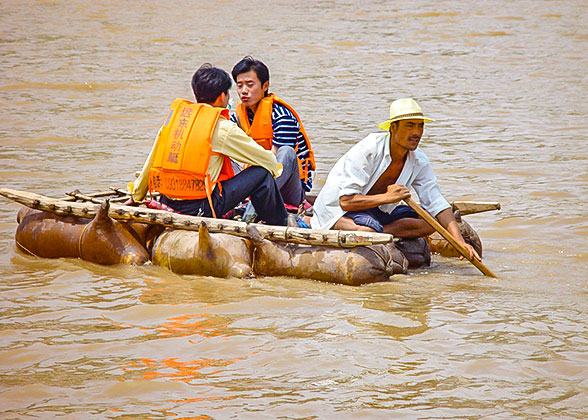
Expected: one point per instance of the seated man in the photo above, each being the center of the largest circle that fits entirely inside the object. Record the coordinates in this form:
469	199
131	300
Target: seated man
364	188
275	125
190	161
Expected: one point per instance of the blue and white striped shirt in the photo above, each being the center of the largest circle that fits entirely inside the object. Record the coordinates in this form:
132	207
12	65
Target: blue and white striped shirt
286	133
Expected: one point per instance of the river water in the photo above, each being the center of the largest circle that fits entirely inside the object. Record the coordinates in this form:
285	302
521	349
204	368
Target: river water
85	85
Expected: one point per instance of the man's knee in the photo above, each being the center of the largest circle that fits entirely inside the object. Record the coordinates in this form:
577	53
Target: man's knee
258	173
346	223
409	228
286	155
365	219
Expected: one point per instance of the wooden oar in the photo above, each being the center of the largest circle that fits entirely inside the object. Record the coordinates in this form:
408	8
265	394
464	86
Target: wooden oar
437	226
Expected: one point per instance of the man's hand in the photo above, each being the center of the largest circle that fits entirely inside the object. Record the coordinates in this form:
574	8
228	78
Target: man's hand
447	220
395	193
471	251
357	202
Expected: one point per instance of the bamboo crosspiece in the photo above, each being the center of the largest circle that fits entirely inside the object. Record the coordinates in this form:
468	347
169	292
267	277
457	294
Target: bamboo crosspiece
335	238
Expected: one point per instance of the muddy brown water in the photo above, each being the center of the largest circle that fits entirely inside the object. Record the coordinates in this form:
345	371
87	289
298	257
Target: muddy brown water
83	88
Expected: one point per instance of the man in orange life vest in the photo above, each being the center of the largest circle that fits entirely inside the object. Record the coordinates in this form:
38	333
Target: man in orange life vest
275	125
190	161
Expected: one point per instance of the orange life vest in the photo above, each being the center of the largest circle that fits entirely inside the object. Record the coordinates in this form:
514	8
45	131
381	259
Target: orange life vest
180	166
261	130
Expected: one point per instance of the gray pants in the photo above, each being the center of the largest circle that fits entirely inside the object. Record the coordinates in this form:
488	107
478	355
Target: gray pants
289	182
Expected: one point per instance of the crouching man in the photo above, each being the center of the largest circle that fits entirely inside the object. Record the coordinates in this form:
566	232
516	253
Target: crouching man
366	185
190	161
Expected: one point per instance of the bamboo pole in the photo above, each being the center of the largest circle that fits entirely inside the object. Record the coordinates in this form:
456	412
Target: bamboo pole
124	193
76	195
335	238
93	199
437	226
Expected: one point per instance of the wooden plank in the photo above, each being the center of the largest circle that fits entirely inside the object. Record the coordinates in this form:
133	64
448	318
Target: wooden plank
472	207
336	238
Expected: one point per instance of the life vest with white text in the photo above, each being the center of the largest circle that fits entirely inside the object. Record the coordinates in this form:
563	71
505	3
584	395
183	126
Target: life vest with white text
180	166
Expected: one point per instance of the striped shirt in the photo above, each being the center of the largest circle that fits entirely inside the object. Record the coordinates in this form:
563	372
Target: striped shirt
286	133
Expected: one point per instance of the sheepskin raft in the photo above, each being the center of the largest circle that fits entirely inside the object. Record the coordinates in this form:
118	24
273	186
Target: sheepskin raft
111	234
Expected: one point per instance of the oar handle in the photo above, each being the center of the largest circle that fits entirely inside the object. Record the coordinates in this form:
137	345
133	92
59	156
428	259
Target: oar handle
437	226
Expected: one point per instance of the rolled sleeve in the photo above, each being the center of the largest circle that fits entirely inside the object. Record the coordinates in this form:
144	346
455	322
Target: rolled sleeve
426	187
141	184
354	175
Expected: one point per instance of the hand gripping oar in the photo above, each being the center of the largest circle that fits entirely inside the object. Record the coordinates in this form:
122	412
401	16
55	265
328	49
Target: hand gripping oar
437	226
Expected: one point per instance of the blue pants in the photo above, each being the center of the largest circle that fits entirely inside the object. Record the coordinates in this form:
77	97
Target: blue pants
255	182
376	219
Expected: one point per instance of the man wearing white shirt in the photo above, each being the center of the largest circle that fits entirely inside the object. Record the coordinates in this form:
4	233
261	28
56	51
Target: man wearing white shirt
364	188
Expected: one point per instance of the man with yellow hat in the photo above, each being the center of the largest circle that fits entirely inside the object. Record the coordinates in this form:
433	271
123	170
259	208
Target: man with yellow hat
364	188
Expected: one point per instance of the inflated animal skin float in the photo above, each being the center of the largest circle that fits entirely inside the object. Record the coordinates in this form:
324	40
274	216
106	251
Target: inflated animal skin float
101	240
106	234
203	253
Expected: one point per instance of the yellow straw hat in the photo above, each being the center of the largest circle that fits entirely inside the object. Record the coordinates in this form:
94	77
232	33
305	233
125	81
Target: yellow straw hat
404	109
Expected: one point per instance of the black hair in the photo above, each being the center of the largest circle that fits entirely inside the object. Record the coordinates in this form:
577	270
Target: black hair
209	82
249	63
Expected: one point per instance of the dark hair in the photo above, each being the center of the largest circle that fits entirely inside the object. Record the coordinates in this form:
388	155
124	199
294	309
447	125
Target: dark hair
209	82
249	63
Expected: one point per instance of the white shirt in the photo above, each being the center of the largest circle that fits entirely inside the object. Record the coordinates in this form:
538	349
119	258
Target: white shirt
357	171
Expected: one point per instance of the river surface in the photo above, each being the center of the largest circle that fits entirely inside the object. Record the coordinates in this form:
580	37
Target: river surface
84	86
